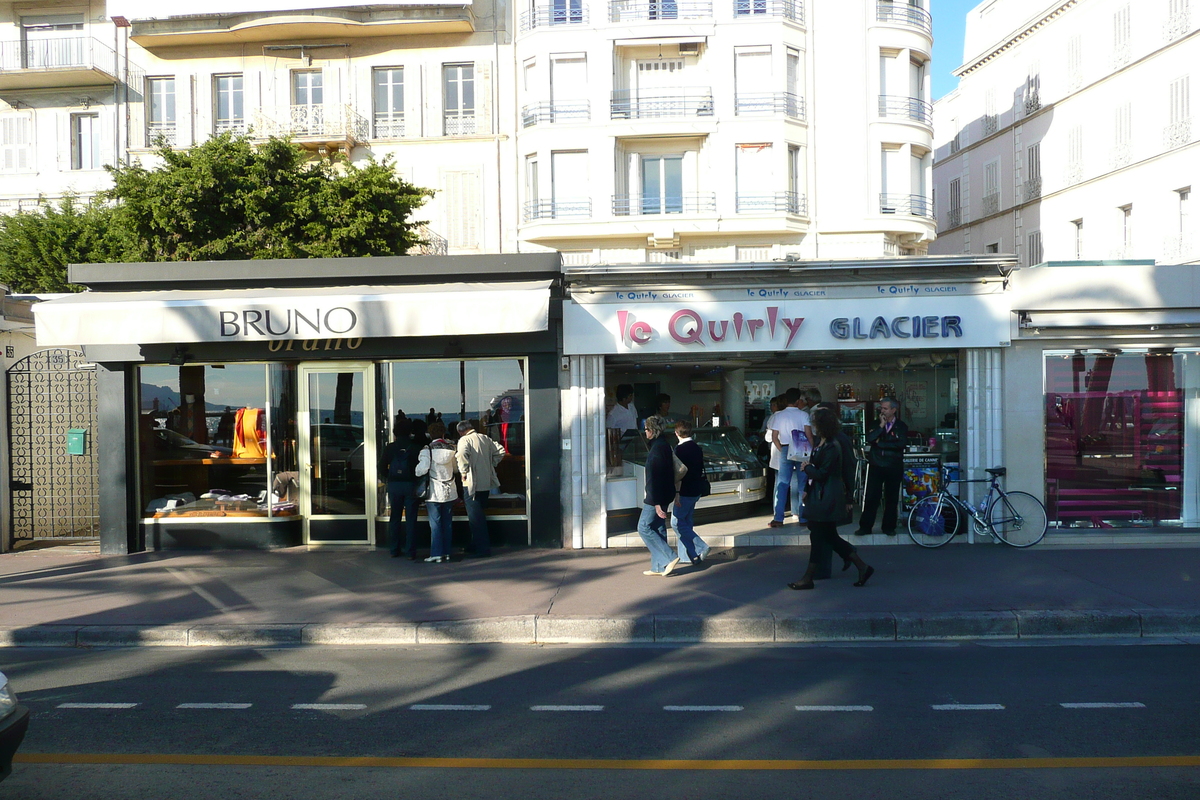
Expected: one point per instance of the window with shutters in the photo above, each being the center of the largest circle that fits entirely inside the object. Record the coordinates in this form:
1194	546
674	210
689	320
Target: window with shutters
991	188
16	142
1034	256
1075	62
1074	155
1033	171
954	215
1121	37
1179	129
389	102
533	190
1179	20
463	193
1122	135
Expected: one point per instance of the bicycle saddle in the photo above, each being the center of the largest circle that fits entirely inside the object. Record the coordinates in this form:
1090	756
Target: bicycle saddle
998	472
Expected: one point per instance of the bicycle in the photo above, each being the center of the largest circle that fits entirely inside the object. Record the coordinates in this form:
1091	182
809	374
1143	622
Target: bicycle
1015	518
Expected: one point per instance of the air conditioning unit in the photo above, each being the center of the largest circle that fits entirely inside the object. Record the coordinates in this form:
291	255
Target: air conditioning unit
689	49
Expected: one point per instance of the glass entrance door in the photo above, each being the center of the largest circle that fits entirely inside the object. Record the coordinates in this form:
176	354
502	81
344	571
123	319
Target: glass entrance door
337	453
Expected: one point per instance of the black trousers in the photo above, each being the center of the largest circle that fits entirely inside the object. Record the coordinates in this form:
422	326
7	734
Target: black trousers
825	541
883	483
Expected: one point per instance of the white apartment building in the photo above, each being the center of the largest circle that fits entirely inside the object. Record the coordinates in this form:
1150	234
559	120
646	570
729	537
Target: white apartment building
1070	135
617	131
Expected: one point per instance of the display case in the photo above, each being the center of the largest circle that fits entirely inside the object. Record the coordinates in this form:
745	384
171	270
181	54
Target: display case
737	475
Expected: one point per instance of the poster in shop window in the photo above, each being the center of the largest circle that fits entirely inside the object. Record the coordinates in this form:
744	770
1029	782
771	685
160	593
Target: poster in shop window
916	399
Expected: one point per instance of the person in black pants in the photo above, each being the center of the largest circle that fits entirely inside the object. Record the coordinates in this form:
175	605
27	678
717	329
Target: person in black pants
398	462
825	502
885	468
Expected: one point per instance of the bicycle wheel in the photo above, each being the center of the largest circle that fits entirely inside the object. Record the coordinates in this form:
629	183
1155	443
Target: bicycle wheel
1017	518
933	521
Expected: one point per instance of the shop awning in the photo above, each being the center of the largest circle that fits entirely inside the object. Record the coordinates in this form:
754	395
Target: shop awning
450	309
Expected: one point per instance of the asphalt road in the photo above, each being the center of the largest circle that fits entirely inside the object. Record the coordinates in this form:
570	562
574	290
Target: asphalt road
1086	720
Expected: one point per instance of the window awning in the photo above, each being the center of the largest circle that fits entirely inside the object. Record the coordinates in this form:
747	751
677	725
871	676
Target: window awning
452	309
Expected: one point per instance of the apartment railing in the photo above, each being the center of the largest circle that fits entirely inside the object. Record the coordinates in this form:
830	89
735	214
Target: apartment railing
333	121
777	203
160	132
991	204
1033	189
632	205
1178	134
954	217
557	209
431	244
912	204
389	126
904	14
569	12
788	9
667	10
1177	24
991	124
230	126
912	108
686	103
460	123
748	104
77	52
563	111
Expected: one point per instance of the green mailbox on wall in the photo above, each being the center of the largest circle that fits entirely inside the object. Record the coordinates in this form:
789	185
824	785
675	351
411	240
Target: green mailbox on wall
76	441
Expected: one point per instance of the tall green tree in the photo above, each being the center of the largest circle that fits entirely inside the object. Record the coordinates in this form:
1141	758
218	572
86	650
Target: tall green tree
225	199
230	199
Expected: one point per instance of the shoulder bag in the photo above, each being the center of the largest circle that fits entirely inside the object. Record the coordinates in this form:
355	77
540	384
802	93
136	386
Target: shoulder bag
422	488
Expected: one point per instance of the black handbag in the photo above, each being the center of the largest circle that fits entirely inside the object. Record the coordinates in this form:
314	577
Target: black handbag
422	487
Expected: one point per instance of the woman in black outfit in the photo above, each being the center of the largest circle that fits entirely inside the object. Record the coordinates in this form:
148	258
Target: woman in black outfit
825	503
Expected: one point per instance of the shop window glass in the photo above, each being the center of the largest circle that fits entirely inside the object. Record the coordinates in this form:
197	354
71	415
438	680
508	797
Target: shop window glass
488	391
203	441
1114	437
281	442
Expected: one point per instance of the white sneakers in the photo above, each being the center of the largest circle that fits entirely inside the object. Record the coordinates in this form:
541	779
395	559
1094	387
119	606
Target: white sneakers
436	559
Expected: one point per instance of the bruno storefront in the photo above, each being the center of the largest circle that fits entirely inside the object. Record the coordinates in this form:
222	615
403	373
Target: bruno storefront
243	404
723	339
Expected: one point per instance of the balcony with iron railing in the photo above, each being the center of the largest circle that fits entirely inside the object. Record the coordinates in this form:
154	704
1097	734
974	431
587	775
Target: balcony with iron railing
682	103
770	103
892	106
232	125
750	9
911	204
632	205
314	127
57	63
658	10
1177	134
388	125
904	14
163	132
431	243
954	218
460	123
1032	189
557	209
560	12
991	203
777	203
560	111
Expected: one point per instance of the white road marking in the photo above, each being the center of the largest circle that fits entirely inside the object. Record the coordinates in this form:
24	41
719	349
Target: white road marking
702	708
566	708
1103	705
835	708
446	707
97	705
328	707
232	706
968	707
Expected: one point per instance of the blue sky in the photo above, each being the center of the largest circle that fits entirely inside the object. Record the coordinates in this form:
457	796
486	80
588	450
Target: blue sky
949	17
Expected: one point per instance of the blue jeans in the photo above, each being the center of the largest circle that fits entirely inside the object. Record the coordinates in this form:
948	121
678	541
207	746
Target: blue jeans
790	476
653	530
402	496
477	517
689	545
440	517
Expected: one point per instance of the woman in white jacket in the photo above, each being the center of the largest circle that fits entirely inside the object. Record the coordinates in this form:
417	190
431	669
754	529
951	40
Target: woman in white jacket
439	462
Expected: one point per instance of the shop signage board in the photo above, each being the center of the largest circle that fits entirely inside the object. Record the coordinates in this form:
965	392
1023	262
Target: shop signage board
884	317
242	315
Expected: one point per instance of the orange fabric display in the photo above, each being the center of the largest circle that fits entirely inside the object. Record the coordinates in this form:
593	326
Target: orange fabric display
249	435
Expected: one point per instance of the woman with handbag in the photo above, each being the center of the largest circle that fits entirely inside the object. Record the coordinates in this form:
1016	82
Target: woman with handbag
660	492
825	503
438	461
693	486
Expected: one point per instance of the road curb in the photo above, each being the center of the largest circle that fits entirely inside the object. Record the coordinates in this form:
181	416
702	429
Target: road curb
663	628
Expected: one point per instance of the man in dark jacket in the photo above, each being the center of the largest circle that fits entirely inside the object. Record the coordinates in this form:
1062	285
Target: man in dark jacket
660	493
398	462
885	468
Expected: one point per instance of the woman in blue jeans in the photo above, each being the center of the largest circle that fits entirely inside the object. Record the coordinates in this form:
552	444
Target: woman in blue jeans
438	460
691	489
660	492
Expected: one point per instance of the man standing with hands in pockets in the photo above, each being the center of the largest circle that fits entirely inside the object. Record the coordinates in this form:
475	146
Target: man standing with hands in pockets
885	468
478	455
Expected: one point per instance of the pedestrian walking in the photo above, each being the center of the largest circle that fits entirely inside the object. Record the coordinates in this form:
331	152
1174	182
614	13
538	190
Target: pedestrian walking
693	486
825	503
478	455
398	463
437	459
660	491
885	468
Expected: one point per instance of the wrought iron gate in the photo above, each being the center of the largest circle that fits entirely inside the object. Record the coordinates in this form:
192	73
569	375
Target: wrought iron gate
54	495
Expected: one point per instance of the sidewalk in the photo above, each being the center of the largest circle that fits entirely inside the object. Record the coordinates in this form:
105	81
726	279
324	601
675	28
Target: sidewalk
562	596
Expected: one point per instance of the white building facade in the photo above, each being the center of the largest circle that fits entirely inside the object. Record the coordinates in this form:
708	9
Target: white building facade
616	131
1071	135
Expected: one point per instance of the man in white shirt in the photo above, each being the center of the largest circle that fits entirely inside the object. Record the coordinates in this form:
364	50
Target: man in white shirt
791	418
623	416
